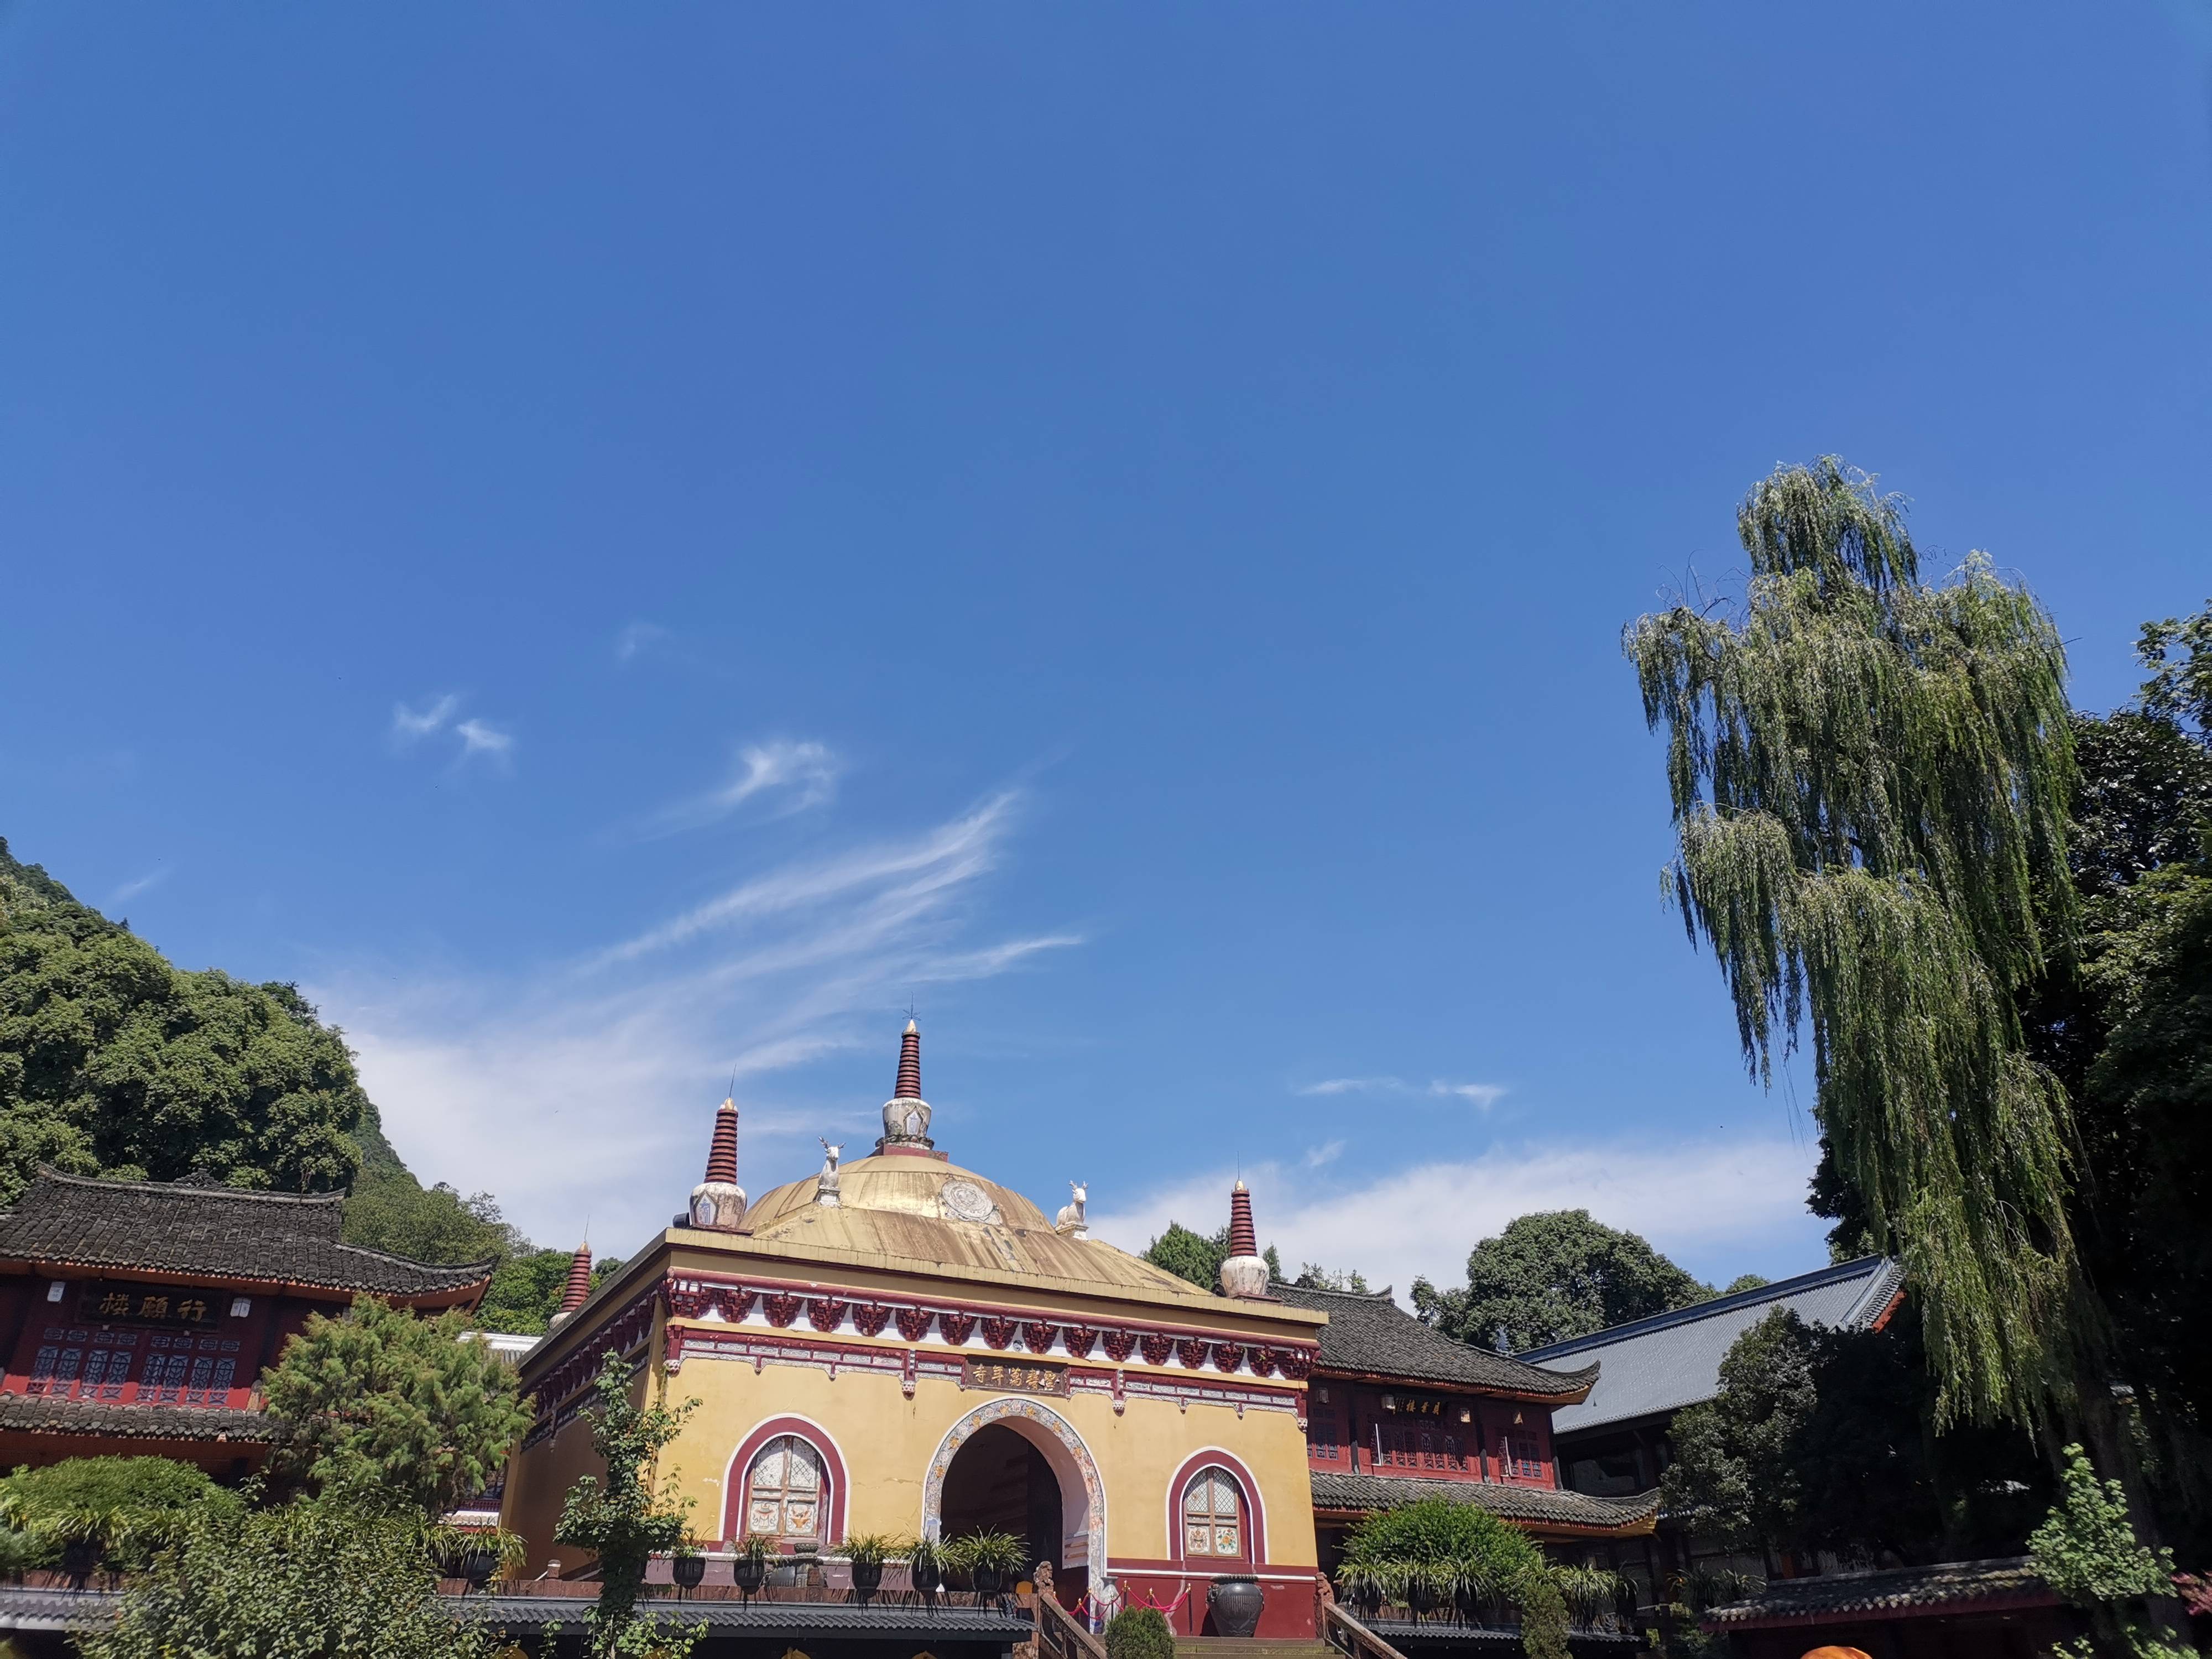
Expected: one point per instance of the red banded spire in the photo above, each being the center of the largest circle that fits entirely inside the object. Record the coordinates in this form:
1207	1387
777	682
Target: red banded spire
909	1073
1243	1240
579	1279
722	1157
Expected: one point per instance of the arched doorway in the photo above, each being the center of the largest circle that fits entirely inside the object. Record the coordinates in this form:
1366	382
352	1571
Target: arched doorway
998	1482
1026	1459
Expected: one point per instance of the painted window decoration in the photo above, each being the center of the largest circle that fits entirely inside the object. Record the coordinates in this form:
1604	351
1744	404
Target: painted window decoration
786	1489
1213	1515
1518	1456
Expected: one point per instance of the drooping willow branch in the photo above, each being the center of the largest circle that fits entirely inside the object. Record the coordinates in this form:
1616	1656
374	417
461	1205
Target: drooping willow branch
1870	779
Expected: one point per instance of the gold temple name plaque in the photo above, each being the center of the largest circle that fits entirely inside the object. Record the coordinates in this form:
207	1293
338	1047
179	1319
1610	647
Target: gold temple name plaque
1013	1377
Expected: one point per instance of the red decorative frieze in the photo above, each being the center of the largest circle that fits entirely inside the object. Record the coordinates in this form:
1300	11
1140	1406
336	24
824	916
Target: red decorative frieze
1156	1346
781	1308
1078	1338
1191	1350
825	1313
956	1327
1296	1363
1038	1334
1119	1345
869	1318
735	1302
1228	1355
1263	1360
914	1324
998	1331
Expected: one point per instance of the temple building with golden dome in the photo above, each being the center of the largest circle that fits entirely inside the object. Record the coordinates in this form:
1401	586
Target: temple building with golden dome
900	1346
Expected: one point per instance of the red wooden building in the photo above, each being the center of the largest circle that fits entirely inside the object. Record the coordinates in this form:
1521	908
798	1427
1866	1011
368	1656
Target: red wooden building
1398	1410
137	1317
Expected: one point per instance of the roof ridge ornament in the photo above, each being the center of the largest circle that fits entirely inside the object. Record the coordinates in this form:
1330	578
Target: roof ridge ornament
718	1203
906	1113
1245	1273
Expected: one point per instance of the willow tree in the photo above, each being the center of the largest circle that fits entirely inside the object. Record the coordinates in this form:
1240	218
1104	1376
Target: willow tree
1870	777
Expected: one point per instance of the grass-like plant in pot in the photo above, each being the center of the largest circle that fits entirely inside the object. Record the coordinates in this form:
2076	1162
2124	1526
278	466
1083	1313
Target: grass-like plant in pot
991	1561
925	1565
867	1551
750	1570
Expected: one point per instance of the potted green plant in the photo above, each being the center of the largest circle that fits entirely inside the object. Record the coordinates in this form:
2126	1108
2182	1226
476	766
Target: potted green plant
993	1560
750	1570
867	1551
688	1566
925	1565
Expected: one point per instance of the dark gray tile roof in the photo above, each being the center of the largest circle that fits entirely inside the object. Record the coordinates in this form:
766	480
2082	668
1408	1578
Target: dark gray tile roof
1373	1335
31	1609
1674	1359
904	1620
1894	1591
23	1608
35	1414
206	1230
1537	1505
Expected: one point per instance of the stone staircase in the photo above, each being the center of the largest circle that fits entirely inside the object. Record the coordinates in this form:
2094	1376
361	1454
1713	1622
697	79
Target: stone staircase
1253	1647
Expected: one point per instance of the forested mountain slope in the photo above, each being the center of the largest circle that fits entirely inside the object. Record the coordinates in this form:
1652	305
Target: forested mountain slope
115	1062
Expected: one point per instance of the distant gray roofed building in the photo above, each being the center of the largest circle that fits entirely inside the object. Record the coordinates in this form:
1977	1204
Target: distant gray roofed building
1674	1359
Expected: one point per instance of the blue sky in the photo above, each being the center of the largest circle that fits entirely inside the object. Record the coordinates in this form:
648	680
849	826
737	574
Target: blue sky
619	546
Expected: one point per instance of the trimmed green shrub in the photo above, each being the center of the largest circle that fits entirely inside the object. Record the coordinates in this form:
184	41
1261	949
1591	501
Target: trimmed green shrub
131	1506
1139	1633
1543	1618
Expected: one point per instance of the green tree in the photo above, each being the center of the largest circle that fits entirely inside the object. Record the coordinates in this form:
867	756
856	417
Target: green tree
624	1520
1870	779
2089	1554
306	1581
384	1407
131	1506
1312	1276
1822	1440
1552	1276
113	1062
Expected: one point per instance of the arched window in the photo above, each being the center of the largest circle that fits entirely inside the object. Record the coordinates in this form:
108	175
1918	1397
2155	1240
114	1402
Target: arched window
1213	1515
787	1489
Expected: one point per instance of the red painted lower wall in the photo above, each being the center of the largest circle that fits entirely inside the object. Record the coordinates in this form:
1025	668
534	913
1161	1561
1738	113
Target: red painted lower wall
1286	1611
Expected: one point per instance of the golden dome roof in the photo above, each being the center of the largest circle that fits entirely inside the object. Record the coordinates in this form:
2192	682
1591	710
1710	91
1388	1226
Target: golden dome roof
930	1186
914	1211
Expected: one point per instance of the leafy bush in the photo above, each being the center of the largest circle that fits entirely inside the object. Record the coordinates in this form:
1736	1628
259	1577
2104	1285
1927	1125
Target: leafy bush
1139	1633
1442	1548
312	1577
389	1407
131	1506
2088	1552
872	1549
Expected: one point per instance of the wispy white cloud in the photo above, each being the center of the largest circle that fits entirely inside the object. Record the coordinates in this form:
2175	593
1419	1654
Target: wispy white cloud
1317	1155
797	776
411	725
1718	1206
479	737
1481	1096
591	1085
637	637
145	884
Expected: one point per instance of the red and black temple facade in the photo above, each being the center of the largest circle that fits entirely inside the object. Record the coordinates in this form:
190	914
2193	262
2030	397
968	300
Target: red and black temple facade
137	1317
1397	1411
